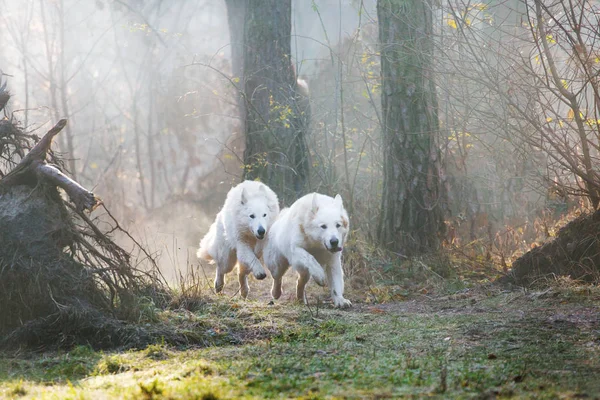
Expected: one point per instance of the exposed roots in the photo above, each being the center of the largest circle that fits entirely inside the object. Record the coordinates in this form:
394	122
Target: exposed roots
63	279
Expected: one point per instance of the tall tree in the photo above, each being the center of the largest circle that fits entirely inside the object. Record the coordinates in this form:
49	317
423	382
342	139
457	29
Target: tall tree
236	14
276	151
411	217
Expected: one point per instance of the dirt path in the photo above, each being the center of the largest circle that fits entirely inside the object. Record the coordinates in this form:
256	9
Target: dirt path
480	343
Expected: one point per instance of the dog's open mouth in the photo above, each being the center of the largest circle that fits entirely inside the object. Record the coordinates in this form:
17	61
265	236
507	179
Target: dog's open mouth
333	249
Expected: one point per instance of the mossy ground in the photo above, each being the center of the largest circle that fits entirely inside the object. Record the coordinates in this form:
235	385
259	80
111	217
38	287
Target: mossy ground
476	343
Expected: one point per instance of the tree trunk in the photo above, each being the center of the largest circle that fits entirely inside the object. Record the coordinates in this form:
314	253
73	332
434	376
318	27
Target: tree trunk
276	151
236	14
411	220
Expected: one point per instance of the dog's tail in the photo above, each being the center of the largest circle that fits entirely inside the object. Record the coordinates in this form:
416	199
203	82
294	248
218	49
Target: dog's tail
207	243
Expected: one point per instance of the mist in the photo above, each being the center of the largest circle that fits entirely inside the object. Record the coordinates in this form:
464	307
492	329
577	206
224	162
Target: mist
439	165
155	128
152	117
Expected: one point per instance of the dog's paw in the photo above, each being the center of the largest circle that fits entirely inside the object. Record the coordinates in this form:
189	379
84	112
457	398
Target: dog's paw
340	302
320	278
244	289
260	275
219	285
276	291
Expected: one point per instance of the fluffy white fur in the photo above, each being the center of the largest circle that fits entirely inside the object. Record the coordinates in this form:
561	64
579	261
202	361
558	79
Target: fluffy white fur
309	236
243	222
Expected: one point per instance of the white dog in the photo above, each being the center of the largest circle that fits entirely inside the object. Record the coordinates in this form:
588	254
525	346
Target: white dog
243	222
309	236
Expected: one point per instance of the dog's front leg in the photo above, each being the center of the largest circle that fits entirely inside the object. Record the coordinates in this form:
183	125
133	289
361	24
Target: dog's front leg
303	258
248	259
335	275
303	277
243	279
226	261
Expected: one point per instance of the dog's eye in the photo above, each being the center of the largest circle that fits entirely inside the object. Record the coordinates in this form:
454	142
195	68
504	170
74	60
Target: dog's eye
264	215
324	226
337	225
252	216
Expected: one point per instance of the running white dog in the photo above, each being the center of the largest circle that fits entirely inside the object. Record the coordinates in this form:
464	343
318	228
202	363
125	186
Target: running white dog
243	222
309	236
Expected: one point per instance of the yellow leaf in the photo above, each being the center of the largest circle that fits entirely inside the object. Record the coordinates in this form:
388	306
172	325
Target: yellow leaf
480	6
560	123
550	38
565	84
571	115
537	59
93	165
236	79
364	58
468	21
597	60
452	23
549	119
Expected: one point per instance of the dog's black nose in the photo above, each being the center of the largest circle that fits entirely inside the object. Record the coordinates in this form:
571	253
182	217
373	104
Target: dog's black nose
334	242
261	231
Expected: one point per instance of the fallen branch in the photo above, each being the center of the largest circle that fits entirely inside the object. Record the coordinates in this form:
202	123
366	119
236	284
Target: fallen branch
33	168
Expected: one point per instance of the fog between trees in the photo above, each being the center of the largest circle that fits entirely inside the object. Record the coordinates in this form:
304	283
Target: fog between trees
156	130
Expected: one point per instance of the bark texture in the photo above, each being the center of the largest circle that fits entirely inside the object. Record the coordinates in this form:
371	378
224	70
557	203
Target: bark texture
33	168
411	220
276	151
236	14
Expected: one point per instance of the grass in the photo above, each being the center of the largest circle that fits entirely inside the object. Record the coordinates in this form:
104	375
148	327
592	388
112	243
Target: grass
481	343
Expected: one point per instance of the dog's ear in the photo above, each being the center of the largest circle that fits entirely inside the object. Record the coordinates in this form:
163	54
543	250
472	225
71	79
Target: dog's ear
338	200
315	206
244	196
345	222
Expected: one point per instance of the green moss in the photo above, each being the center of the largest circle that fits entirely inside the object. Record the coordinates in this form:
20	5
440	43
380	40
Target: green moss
495	344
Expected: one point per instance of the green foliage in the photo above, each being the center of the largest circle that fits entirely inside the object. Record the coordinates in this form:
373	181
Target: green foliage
157	352
152	390
111	364
18	389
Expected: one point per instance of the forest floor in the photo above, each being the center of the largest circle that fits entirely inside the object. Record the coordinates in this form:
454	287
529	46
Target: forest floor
483	342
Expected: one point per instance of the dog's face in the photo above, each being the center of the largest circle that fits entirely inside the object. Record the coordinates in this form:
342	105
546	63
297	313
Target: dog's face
256	212
328	224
